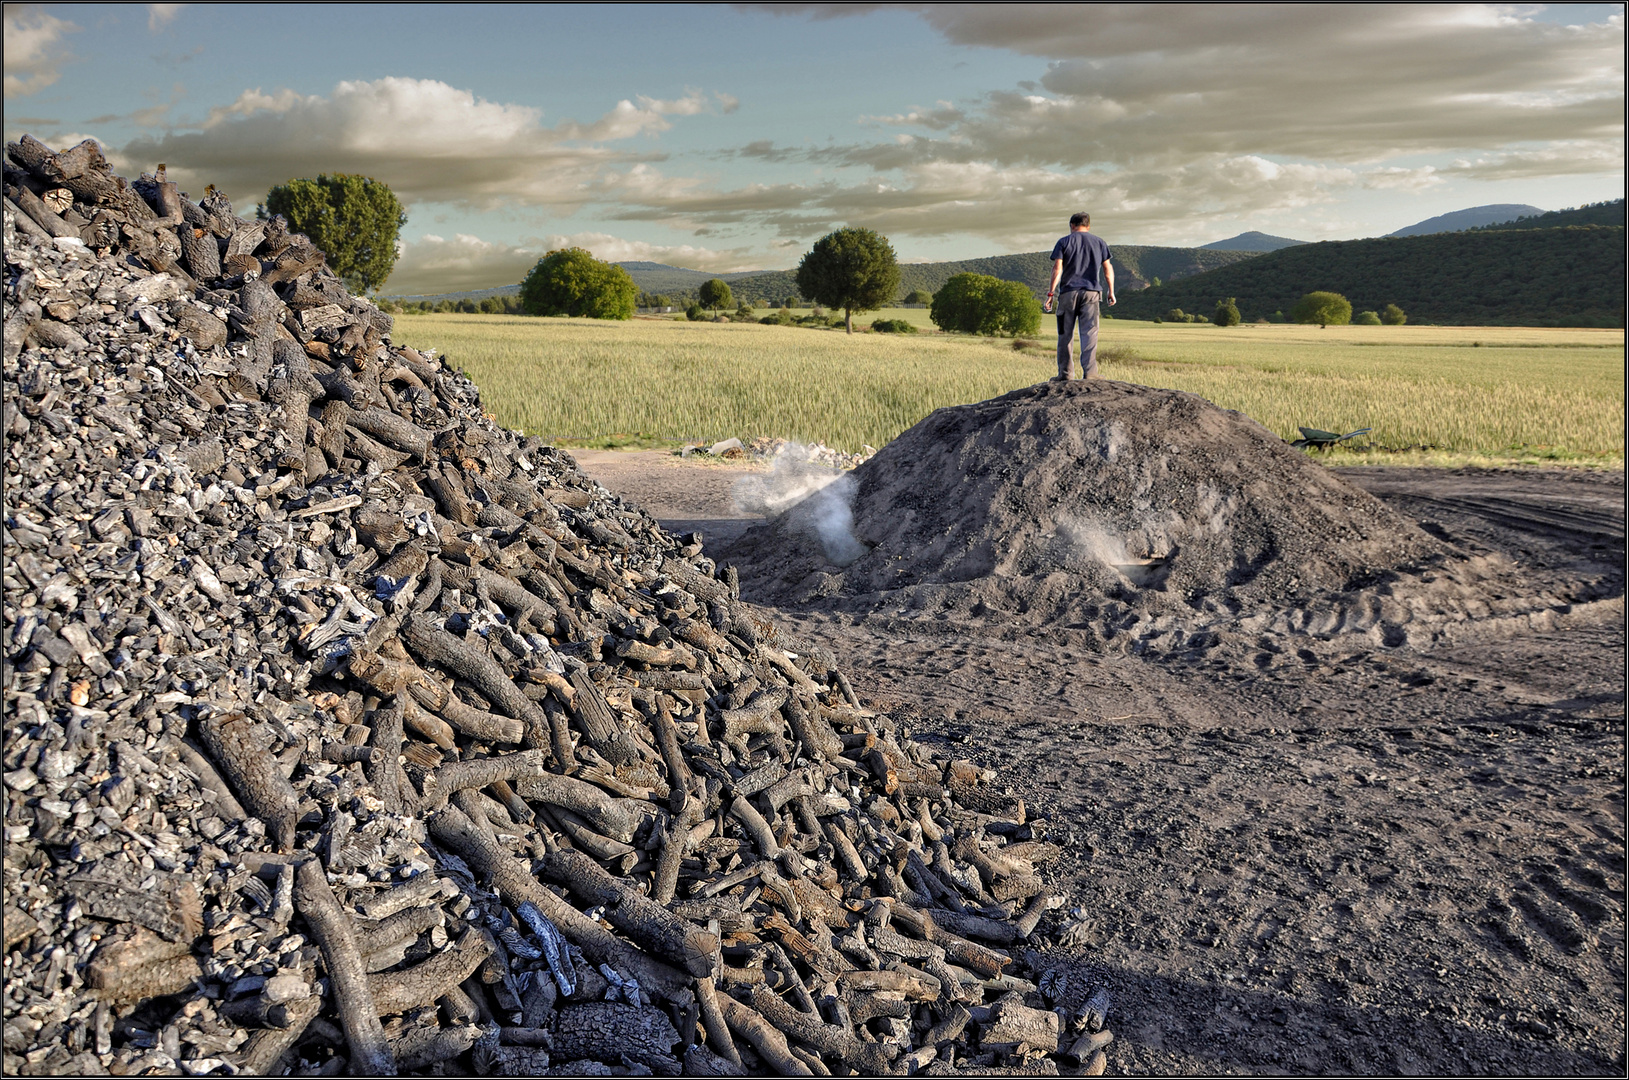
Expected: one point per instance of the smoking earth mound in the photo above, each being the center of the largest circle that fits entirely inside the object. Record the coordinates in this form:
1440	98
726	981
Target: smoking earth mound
1103	505
348	731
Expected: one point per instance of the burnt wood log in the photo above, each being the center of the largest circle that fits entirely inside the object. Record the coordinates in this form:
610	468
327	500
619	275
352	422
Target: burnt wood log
437	646
870	1059
476	723
333	431
503	589
420	985
771	1045
481	772
253	774
514	881
613	1031
649	924
126	970
601	727
332	929
42	215
390	429
341	385
261	1051
713	1022
170	906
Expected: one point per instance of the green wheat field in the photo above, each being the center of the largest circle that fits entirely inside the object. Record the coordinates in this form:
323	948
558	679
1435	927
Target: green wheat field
1432	395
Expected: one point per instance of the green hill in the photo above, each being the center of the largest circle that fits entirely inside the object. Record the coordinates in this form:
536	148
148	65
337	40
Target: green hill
1601	213
1135	266
1571	276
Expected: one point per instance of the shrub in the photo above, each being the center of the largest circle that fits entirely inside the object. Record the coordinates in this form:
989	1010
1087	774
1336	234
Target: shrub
1366	318
980	304
1392	315
893	326
919	296
1176	314
570	281
783	317
1323	308
1227	313
695	313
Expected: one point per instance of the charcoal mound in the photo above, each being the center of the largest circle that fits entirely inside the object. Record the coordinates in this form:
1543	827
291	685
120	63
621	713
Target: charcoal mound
1050	502
349	732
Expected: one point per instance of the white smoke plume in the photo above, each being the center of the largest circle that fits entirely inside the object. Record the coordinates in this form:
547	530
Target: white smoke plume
817	500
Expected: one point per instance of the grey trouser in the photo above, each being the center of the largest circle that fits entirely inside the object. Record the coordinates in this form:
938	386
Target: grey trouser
1078	306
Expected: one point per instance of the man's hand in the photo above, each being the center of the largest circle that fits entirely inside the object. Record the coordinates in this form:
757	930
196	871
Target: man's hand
1046	305
1111	299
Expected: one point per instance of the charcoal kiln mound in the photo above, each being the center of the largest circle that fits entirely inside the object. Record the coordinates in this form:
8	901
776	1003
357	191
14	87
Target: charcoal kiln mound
1102	505
347	731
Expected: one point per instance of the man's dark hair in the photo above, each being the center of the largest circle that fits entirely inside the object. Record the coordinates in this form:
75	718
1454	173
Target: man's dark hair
1077	220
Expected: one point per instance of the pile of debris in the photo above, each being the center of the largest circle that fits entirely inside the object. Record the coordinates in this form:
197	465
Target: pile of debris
348	731
771	449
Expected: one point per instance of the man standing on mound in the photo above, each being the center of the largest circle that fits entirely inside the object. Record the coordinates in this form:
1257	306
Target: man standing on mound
1081	262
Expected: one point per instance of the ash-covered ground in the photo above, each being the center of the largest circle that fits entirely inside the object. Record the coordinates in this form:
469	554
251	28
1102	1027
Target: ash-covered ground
1316	838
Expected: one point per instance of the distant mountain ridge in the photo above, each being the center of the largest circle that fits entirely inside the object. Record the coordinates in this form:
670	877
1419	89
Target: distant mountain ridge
1252	241
1601	213
1460	220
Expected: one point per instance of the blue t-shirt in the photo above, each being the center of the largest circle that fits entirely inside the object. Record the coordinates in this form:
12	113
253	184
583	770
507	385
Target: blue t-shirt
1083	257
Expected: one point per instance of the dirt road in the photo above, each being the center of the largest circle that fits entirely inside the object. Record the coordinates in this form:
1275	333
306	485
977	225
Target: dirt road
1342	859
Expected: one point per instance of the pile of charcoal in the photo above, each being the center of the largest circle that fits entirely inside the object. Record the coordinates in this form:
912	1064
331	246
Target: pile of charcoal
346	731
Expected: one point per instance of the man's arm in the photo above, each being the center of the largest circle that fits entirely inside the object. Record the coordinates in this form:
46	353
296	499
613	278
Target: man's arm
1108	271
1052	289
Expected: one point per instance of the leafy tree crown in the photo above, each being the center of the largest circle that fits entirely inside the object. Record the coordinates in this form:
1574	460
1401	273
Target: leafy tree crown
1323	308
570	281
1392	315
1227	313
853	269
715	294
353	220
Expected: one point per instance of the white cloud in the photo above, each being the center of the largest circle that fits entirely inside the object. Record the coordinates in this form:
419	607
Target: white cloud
435	264
161	15
429	141
34	50
1340	82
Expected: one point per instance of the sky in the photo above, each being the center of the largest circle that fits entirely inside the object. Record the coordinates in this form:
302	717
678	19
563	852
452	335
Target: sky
731	137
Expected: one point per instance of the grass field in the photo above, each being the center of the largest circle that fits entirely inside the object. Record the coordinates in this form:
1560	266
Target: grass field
1445	395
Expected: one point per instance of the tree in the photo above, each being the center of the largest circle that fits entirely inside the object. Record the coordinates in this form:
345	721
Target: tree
490	305
715	294
353	220
1227	313
980	304
1323	308
1366	318
1392	315
853	269
570	281
919	296
1156	283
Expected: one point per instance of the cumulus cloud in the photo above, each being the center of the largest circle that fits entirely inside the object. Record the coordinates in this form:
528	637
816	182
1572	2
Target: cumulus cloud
34	49
429	141
161	15
436	264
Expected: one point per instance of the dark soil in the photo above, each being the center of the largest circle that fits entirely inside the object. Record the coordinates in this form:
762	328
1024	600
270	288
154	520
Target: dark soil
1301	847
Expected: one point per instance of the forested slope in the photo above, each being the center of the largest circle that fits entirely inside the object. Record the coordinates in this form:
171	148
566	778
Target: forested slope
1570	276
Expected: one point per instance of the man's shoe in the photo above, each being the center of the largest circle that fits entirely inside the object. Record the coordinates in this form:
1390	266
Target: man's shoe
1059	378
